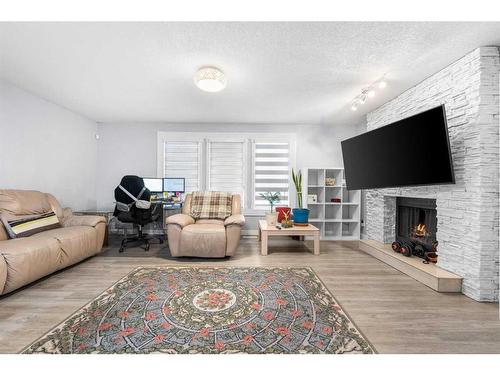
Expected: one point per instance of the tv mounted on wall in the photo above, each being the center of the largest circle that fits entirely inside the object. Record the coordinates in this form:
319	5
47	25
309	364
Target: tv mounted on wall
412	151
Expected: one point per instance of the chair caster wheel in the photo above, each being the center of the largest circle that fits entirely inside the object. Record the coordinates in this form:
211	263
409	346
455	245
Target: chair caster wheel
120	250
147	247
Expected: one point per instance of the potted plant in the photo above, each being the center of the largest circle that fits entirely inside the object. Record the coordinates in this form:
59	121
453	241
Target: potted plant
300	214
272	198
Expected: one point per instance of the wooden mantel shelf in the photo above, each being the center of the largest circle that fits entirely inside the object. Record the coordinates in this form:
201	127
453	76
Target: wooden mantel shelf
428	274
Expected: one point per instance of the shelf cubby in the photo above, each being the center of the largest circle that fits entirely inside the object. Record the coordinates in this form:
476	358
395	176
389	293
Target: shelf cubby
333	192
316	212
318	191
333	212
350	212
350	230
332	230
316	177
351	196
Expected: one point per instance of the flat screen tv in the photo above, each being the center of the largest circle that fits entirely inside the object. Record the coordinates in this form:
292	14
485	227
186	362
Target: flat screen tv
412	151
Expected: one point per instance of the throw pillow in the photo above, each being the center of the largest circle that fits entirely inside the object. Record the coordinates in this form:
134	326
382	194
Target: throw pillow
211	205
27	226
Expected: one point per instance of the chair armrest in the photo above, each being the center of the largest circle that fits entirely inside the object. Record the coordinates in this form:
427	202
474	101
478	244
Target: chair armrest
181	220
83	220
235	220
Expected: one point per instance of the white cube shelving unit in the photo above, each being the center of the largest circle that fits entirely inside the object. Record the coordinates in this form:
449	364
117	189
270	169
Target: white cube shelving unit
335	220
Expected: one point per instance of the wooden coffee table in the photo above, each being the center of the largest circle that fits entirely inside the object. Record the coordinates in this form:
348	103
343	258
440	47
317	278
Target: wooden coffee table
266	231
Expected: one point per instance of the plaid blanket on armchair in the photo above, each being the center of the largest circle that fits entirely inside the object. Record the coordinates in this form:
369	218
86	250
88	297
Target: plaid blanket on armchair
211	205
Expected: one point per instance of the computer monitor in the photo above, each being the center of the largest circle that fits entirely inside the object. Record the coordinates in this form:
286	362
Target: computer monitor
155	185
173	184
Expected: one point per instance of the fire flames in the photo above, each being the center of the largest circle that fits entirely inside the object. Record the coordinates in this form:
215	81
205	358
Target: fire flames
420	230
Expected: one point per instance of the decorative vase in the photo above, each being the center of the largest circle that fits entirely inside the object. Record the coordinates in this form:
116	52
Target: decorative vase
300	216
271	218
282	211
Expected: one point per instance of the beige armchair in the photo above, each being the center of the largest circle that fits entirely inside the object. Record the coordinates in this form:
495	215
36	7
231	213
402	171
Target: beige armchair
206	238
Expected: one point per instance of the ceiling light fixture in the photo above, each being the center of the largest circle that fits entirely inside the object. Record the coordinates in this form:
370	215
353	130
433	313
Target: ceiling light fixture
382	84
368	92
210	79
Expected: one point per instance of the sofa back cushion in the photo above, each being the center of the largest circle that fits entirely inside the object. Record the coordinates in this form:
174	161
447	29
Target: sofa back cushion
211	205
25	226
24	202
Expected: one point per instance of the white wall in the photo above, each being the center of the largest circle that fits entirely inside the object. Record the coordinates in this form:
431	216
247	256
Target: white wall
46	147
130	148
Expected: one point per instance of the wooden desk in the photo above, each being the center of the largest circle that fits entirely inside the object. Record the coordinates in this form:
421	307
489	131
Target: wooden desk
266	231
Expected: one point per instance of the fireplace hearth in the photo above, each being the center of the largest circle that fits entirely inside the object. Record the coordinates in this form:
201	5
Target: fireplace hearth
416	227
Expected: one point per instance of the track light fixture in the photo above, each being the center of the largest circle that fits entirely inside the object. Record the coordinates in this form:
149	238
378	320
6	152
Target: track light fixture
368	92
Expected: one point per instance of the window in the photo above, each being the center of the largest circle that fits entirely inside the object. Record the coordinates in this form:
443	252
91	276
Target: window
271	173
226	167
244	163
183	159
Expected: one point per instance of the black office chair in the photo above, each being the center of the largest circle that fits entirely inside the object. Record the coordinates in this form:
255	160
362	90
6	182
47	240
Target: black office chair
128	196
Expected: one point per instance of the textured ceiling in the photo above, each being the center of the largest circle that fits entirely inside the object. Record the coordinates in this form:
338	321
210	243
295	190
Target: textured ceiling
277	72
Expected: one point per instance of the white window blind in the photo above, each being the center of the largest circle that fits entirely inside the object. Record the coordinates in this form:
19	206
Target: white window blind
183	159
271	172
226	167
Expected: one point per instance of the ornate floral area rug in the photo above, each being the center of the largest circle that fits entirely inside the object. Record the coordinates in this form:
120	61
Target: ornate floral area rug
209	310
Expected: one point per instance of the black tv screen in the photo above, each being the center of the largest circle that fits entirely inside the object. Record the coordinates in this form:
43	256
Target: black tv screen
413	151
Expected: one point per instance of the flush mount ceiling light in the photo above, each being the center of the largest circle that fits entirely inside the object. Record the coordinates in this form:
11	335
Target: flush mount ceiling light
210	79
368	92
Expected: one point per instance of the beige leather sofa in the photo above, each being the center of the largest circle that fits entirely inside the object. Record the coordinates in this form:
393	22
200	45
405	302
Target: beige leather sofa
23	260
207	238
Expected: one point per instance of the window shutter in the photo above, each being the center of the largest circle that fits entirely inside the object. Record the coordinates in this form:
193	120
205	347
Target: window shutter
271	169
226	167
183	159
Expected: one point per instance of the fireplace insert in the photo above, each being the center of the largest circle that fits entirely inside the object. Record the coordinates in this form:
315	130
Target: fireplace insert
416	227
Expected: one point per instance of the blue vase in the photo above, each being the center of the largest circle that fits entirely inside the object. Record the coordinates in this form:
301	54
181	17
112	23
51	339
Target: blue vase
300	215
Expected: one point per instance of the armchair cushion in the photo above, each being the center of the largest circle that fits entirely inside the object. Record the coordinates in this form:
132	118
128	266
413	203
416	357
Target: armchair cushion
180	219
238	219
84	220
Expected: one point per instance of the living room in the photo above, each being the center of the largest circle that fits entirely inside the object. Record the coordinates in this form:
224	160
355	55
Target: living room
240	187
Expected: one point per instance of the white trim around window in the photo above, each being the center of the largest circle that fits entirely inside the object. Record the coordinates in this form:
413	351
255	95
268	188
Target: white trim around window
248	141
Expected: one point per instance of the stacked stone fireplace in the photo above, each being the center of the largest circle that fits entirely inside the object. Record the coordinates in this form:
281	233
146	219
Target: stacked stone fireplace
467	212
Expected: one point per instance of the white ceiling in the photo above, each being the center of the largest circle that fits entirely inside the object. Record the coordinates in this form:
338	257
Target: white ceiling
277	72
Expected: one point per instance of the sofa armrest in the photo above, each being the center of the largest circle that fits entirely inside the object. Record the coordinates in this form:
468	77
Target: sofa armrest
181	220
83	220
235	220
67	212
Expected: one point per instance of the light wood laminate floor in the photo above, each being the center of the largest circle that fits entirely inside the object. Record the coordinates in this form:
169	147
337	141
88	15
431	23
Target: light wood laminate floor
396	313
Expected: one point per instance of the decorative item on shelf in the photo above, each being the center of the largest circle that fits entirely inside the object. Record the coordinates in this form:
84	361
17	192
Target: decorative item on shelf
312	198
286	222
272	198
281	213
335	200
330	181
300	214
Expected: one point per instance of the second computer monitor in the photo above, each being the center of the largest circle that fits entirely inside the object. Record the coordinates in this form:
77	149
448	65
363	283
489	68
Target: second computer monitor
174	184
155	185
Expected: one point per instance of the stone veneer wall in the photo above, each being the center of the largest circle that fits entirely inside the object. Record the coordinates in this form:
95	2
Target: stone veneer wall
467	211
